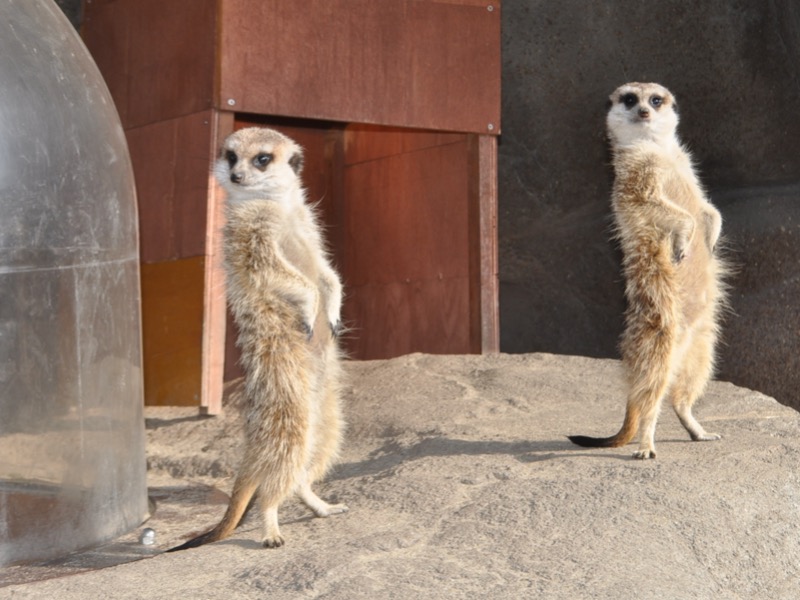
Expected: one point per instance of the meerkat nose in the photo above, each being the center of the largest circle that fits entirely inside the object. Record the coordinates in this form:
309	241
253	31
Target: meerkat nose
644	113
236	177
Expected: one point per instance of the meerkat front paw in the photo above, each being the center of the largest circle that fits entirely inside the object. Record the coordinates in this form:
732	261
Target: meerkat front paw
331	293
309	309
334	318
307	329
680	242
336	328
678	254
706	437
713	223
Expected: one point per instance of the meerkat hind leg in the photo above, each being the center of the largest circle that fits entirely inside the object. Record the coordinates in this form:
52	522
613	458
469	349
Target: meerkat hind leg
272	533
696	431
647	446
317	504
649	401
690	383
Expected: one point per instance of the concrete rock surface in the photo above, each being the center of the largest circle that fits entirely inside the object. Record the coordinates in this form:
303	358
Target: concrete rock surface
461	484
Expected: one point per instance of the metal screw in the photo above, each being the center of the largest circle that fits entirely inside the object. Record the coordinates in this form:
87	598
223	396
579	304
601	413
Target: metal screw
490	8
491	126
231	102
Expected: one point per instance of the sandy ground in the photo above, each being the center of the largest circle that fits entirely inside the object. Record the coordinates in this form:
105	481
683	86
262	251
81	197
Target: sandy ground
461	484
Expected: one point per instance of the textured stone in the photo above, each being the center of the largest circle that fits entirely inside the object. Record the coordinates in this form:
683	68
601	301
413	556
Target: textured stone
461	484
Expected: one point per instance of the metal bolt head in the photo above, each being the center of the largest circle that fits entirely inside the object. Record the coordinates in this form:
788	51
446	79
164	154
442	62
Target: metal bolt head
148	536
231	102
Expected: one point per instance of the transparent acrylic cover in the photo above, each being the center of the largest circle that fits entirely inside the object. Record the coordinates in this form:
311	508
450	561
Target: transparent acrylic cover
72	464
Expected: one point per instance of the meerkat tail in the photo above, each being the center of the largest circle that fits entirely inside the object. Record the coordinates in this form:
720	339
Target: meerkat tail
630	426
243	492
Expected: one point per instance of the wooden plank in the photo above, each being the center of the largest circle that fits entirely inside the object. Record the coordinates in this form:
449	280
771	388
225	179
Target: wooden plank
172	321
158	58
171	162
409	63
214	304
484	283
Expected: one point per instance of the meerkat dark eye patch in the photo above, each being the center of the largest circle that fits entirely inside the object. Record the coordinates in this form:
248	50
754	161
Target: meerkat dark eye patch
262	159
231	157
629	100
656	101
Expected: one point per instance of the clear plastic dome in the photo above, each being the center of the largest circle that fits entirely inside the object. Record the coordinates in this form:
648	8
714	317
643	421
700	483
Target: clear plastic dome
72	462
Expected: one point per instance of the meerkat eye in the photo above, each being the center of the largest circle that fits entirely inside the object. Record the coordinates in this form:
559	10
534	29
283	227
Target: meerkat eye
629	100
262	159
231	157
656	101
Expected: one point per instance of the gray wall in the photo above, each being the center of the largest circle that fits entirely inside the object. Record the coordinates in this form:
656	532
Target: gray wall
735	69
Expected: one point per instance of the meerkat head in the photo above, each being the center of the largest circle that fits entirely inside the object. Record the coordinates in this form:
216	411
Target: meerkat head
256	162
641	111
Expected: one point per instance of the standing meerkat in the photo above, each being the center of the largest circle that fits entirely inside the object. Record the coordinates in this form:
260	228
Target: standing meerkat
668	232
286	299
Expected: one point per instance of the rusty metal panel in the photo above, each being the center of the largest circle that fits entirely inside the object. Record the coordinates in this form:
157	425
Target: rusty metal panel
157	56
406	252
410	63
171	161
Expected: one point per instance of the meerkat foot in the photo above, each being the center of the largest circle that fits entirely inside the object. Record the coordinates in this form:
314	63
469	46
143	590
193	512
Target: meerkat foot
331	509
644	454
696	431
273	542
272	533
317	505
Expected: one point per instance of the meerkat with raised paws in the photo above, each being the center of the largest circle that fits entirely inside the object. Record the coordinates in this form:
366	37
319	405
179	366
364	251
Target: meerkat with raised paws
286	299
668	232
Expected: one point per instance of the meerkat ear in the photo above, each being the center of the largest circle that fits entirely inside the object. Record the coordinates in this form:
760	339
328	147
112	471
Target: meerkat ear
296	162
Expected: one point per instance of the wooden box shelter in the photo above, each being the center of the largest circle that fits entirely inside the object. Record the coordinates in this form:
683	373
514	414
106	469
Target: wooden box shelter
397	103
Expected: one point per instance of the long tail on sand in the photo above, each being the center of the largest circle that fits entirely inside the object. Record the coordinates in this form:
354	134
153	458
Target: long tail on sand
241	502
196	542
629	428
